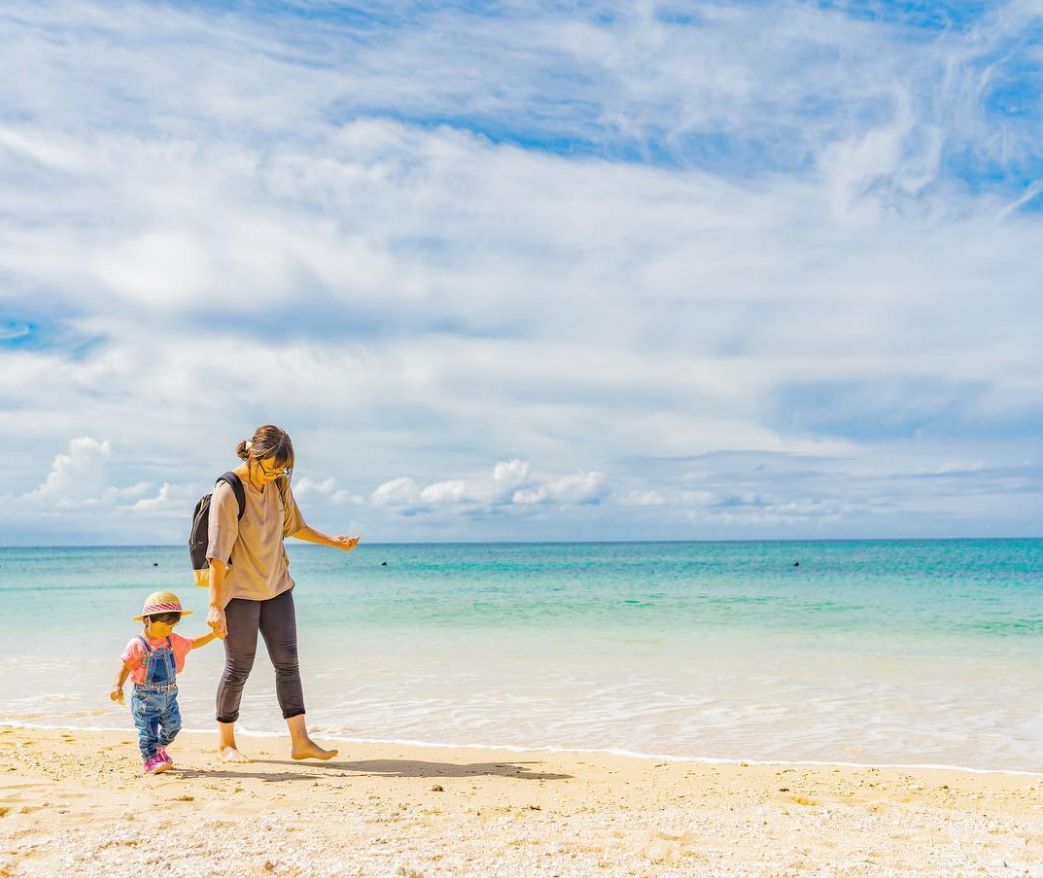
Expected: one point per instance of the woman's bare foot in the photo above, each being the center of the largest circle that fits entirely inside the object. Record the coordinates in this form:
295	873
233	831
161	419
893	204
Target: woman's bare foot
226	744
308	749
302	746
231	754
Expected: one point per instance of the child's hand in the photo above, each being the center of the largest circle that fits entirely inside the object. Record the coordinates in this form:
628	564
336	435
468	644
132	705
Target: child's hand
116	694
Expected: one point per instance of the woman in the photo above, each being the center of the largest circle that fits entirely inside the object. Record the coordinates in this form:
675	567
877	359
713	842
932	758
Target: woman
251	589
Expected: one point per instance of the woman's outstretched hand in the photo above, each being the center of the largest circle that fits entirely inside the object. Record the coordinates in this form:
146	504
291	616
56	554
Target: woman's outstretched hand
345	544
216	620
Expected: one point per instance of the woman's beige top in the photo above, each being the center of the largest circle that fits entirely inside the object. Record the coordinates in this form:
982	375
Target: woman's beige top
259	567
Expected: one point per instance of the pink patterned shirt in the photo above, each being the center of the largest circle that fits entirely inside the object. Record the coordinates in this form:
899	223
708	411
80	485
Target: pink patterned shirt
135	652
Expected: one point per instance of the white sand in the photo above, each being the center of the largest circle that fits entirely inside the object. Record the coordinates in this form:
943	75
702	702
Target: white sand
75	803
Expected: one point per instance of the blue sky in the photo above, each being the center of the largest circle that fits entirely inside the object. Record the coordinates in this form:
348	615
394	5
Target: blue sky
525	270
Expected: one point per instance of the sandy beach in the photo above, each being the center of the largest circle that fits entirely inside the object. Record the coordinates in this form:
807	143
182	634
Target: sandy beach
75	803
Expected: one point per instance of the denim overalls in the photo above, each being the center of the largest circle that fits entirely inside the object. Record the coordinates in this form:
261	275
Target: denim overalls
154	702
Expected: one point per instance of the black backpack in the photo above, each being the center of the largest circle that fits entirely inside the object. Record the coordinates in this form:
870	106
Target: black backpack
199	539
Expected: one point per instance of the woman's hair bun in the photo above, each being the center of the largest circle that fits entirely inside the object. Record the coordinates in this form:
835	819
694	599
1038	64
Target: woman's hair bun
269	443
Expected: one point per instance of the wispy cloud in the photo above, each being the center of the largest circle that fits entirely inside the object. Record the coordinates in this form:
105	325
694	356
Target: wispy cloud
11	330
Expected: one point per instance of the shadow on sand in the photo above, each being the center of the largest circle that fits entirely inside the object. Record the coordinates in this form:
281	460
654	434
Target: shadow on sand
376	768
417	768
266	776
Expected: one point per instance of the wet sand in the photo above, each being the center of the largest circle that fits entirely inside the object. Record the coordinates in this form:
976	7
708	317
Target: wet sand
75	803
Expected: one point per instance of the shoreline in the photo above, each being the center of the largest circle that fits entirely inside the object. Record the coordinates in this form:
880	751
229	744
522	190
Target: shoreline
74	801
515	748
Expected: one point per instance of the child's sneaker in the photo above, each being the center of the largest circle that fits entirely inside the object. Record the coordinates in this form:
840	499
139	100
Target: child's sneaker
156	764
161	752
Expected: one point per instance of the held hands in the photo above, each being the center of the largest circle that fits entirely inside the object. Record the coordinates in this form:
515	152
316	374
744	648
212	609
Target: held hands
116	694
216	620
345	544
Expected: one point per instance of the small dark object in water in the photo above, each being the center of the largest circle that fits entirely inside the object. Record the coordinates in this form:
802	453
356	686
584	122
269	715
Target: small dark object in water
155	563
796	563
383	563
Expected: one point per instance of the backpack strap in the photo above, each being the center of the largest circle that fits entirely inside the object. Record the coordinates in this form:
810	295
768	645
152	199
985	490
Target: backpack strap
236	484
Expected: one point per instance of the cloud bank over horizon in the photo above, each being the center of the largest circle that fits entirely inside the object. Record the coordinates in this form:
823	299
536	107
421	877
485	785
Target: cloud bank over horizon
519	271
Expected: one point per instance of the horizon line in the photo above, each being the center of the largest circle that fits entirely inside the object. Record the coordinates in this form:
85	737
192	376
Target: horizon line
304	545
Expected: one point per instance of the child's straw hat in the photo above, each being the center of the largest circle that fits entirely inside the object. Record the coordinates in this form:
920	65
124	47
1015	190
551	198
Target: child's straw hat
161	602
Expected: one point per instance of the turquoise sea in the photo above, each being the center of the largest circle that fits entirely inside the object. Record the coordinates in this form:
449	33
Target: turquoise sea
881	652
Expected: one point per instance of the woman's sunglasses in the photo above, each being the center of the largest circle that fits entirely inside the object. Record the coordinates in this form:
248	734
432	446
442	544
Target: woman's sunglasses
274	471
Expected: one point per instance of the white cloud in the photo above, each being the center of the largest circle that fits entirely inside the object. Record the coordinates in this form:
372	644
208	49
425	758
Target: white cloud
511	483
528	496
951	467
164	269
326	489
643	498
77	478
444	492
79	486
511	473
583	487
478	491
304	486
161	499
397	492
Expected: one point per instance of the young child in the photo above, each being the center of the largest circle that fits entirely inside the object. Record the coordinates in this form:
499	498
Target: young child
153	661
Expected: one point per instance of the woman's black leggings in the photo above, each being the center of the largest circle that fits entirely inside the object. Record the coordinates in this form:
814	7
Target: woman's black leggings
277	622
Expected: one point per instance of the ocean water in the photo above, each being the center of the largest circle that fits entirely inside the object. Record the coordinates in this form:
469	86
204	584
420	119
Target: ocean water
877	652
